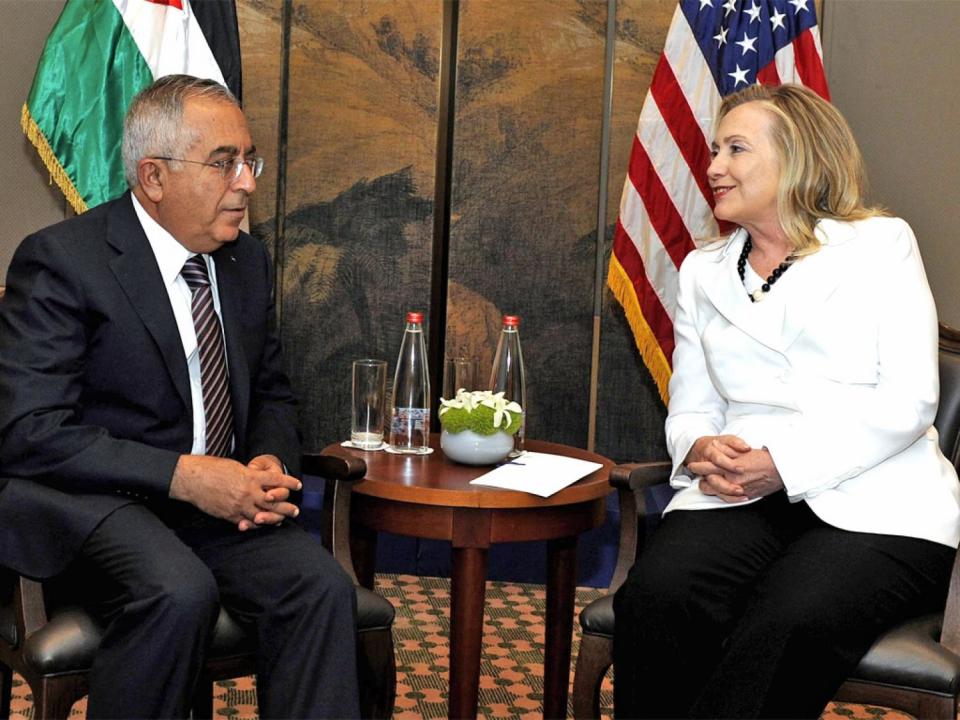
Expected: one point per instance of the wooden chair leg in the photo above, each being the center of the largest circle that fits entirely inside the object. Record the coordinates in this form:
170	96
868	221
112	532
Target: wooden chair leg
377	673
593	660
201	708
937	708
6	691
55	696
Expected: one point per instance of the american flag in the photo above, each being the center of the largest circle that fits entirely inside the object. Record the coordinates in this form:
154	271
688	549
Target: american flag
713	48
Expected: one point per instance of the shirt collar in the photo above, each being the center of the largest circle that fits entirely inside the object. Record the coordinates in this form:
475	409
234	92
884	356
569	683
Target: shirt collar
170	254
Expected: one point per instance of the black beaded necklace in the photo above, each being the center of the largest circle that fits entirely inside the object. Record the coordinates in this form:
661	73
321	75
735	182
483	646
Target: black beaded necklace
757	295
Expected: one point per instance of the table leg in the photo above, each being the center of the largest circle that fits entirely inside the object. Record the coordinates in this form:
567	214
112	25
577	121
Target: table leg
467	598
561	595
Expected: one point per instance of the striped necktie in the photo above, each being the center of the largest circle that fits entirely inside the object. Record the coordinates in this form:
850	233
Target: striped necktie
213	363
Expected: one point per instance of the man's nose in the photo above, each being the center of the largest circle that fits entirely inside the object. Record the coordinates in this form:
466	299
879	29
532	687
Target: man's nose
245	180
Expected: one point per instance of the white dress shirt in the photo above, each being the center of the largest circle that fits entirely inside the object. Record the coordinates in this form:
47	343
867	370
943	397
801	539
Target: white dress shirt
171	256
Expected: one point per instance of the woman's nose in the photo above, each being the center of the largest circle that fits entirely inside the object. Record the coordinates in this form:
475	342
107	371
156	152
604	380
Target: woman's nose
715	168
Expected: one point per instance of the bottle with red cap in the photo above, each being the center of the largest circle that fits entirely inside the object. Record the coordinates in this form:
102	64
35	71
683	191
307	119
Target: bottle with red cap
508	375
410	405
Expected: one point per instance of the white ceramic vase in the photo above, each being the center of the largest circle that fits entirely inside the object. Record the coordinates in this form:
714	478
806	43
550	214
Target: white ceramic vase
469	448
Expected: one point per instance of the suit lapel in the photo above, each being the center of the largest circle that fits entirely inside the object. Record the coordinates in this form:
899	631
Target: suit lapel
800	295
817	278
135	269
230	288
725	290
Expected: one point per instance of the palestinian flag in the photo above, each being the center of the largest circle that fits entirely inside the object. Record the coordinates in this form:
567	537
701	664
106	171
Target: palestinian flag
99	55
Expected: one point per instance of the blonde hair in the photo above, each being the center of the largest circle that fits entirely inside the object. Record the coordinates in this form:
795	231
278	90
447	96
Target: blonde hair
822	170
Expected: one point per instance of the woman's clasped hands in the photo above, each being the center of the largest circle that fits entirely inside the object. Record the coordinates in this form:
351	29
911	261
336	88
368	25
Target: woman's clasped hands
732	470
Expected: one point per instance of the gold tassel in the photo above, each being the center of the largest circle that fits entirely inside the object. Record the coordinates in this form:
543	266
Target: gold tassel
57	173
622	288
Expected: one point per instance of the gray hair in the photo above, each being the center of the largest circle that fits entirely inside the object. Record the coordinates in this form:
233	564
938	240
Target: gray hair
154	123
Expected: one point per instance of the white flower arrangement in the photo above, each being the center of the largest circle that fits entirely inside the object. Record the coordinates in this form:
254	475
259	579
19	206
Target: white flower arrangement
482	411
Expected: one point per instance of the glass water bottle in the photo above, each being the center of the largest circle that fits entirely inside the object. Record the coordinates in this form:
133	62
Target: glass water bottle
508	375
410	404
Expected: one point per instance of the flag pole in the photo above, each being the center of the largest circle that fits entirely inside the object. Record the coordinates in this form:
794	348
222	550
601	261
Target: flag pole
600	266
441	203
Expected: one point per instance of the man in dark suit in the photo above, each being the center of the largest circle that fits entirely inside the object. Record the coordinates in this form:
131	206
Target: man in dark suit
151	453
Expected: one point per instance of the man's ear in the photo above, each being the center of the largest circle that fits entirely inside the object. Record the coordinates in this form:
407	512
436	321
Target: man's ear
151	175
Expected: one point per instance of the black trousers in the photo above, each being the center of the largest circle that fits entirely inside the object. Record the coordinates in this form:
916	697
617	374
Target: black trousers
159	590
760	611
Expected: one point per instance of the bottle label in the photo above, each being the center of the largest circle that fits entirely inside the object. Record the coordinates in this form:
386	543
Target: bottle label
408	420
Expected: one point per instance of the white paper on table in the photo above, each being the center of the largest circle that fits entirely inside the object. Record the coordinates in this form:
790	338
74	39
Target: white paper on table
542	474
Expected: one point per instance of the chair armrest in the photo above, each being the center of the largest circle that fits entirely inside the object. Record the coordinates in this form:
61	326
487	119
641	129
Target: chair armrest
333	466
636	476
631	480
340	471
29	609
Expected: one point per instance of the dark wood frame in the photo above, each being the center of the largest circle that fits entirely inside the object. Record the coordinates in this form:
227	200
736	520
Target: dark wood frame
949	337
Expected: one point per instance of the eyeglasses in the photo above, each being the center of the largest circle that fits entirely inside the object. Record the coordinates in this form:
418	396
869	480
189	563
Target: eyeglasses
228	169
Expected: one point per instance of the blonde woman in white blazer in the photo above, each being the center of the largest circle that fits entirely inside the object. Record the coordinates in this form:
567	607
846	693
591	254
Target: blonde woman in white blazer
814	508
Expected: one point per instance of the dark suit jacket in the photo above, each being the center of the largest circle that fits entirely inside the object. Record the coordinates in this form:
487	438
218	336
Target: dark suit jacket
95	403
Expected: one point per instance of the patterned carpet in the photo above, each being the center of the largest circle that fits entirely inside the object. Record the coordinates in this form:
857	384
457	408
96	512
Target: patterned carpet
511	682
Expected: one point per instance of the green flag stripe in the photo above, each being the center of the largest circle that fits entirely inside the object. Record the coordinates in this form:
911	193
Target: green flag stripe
89	72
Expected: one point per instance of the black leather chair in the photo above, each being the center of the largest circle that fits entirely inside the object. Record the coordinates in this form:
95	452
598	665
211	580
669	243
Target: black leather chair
53	651
914	667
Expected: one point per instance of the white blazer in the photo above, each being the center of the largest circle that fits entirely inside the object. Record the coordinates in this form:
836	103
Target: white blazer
835	373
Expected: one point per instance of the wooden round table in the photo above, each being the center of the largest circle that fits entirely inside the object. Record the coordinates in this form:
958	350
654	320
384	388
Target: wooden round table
429	496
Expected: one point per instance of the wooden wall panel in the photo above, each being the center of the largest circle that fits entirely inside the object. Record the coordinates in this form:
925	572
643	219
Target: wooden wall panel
630	414
526	160
355	252
262	53
362	103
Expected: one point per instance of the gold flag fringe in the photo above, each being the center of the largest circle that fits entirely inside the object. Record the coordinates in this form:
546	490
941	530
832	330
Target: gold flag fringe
57	173
622	288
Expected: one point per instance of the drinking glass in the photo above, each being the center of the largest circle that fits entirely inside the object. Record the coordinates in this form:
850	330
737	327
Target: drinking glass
458	373
369	403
